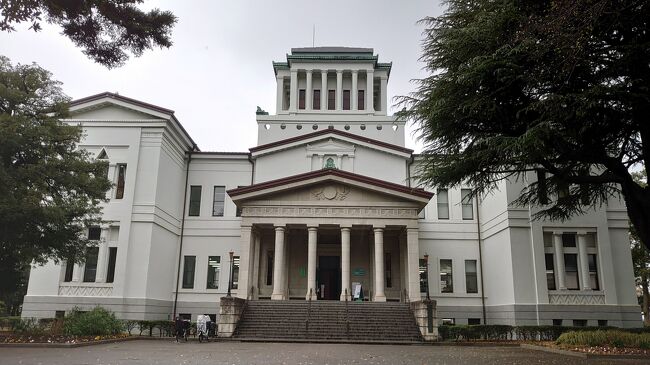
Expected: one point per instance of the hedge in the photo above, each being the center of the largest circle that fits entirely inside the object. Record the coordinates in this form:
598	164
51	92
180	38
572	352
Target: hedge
506	332
613	338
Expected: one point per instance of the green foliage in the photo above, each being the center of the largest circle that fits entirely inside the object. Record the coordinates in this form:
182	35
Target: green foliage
612	338
521	87
97	322
104	29
530	333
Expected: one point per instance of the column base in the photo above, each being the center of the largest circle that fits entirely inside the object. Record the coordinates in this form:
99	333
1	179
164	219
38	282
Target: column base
380	298
313	296
277	296
343	297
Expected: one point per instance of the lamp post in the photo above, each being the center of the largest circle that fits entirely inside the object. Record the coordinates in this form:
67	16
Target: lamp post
230	275
426	271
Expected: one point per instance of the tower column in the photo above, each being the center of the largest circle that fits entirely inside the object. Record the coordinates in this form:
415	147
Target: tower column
339	90
308	92
323	90
312	251
345	263
293	93
383	96
279	96
380	296
370	77
413	263
559	260
584	260
278	265
354	96
101	257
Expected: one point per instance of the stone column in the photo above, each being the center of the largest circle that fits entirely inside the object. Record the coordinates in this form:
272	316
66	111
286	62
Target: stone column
255	268
345	263
323	91
354	96
339	89
293	92
413	263
102	253
308	92
383	96
312	253
245	248
278	265
584	261
280	94
370	77
380	296
559	260
76	273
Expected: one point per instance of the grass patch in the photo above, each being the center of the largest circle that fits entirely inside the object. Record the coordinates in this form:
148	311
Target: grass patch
609	338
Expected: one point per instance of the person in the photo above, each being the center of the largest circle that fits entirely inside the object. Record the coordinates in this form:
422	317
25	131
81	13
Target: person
179	326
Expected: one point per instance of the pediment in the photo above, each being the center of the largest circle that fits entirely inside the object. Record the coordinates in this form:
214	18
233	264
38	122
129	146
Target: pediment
331	146
333	192
109	111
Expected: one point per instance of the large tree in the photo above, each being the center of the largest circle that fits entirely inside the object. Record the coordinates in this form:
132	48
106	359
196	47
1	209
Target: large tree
560	88
50	190
641	262
105	29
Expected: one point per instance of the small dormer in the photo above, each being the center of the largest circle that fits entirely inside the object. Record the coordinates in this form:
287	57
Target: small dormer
331	80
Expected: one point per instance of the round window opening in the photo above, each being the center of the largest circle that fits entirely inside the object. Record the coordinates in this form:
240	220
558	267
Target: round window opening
267	126
379	127
347	127
299	127
314	127
363	127
283	126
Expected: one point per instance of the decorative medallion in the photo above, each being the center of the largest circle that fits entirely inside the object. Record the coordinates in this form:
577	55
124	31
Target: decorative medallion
331	192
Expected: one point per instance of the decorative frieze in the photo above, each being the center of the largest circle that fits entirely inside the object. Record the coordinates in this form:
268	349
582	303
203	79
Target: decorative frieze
576	298
365	212
85	291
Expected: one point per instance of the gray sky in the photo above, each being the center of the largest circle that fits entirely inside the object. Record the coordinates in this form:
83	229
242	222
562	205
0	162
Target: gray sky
219	68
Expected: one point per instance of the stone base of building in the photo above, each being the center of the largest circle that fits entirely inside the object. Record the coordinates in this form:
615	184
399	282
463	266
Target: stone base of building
230	311
425	317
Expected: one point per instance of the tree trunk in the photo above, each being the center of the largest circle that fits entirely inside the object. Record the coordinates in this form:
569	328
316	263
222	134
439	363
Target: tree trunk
646	301
637	200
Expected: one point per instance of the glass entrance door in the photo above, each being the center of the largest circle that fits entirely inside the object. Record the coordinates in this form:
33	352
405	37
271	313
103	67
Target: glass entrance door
329	277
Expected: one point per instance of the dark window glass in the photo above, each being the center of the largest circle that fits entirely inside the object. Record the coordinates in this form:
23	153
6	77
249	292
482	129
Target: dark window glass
550	271
446	276
235	272
59	314
569	239
466	203
580	323
448	321
443	204
602	323
185	316
557	322
269	268
69	269
121	177
331	99
471	276
346	99
112	257
473	321
316	100
189	263
301	98
214	266
195	201
94	233
571	271
423	276
90	269
218	201
593	272
388	270
361	99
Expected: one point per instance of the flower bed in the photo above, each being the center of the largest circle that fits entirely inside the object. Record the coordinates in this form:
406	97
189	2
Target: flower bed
59	339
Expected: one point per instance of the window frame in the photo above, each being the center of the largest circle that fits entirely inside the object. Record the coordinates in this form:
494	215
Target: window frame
444	205
90	271
112	262
195	200
469	274
189	277
235	272
215	271
466	202
316	99
331	99
215	201
346	95
121	180
361	99
446	276
302	96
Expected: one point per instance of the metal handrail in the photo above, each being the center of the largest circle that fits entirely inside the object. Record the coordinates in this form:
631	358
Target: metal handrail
347	317
308	313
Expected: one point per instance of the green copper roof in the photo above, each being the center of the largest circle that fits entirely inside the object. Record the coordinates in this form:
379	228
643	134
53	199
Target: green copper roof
329	54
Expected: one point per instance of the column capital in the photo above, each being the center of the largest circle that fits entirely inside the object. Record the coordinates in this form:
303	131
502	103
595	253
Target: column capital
582	233
378	228
354	72
339	72
346	229
279	228
412	229
558	233
324	72
312	228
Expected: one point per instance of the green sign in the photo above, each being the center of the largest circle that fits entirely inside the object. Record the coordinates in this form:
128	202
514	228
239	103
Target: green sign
302	272
358	272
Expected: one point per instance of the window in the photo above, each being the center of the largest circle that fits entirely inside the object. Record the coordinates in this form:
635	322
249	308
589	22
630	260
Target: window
361	99
331	99
602	323
466	202
121	176
301	98
90	269
388	270
316	100
471	277
214	266
235	272
443	204
269	268
188	272
218	201
195	201
346	99
579	323
593	272
448	321
59	314
568	239
473	321
423	276
112	257
94	233
185	316
571	271
550	271
446	277
557	322
69	269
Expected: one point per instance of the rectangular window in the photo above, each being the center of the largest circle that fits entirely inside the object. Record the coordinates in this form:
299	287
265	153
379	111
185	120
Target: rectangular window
195	201
579	323
466	202
59	314
269	268
471	276
331	99
90	269
602	323
361	99
550	271
473	321
94	233
443	204
235	272
571	271
388	270
557	322
214	266
218	201
423	276
185	316
69	269
121	177
346	99
448	321
446	276
593	272
112	258
568	239
316	100
189	262
301	98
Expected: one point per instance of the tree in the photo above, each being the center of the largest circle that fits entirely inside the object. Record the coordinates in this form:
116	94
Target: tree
50	191
641	262
104	29
553	88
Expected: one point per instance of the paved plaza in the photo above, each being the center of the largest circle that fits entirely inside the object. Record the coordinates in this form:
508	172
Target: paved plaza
235	353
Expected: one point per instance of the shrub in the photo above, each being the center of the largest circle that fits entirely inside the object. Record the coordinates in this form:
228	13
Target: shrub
9	323
612	338
29	326
97	322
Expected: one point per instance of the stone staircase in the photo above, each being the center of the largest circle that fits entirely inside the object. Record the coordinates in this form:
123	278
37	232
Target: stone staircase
328	321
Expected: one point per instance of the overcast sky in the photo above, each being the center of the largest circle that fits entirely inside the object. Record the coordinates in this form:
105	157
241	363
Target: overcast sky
219	68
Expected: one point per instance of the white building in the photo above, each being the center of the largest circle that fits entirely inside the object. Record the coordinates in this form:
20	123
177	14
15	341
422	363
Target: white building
324	201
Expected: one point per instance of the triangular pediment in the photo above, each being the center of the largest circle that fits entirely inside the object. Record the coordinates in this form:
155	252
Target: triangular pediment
331	145
111	111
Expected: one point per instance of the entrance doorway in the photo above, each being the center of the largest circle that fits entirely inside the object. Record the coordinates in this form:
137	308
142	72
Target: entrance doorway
329	275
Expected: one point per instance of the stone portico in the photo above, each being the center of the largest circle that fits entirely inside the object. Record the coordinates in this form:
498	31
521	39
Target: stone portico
314	234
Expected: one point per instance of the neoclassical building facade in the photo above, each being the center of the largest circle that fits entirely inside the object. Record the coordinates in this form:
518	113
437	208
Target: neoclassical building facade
324	207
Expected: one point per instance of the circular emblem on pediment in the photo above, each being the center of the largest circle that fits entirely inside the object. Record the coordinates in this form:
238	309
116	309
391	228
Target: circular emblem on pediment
329	192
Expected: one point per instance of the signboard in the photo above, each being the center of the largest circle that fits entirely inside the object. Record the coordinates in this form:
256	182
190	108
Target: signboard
302	272
359	271
356	290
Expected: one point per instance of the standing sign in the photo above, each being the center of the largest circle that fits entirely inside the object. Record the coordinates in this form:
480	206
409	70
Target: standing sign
356	290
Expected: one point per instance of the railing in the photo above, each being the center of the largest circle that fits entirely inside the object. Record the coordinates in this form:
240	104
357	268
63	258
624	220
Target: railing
308	313
347	318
